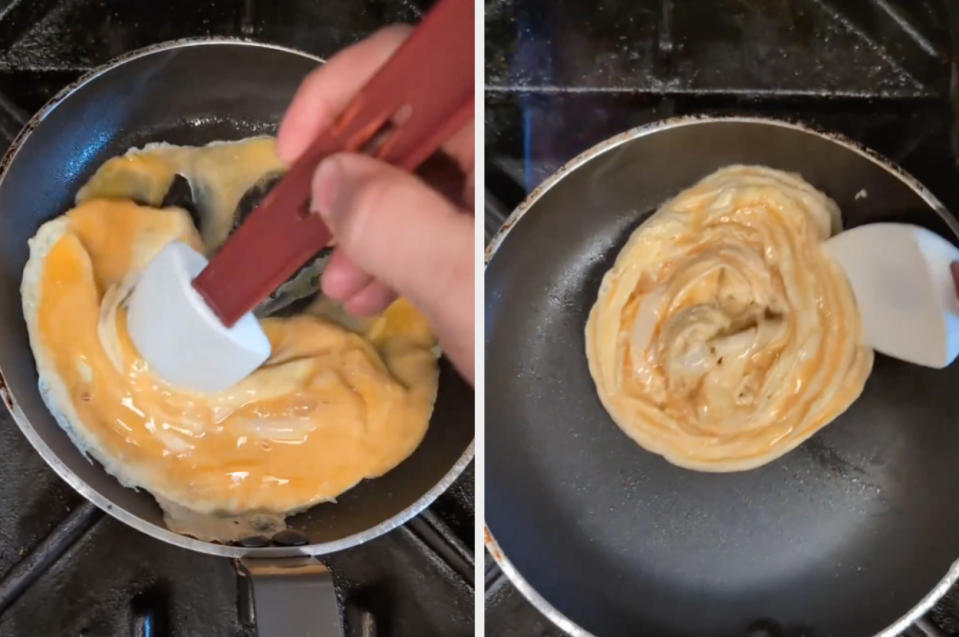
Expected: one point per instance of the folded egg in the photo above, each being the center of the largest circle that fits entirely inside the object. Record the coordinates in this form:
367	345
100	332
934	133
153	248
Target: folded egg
724	336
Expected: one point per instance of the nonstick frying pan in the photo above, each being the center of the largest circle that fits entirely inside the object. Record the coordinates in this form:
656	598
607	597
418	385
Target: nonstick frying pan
194	92
853	533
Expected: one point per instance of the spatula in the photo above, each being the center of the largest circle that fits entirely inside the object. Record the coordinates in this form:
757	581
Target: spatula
903	279
199	333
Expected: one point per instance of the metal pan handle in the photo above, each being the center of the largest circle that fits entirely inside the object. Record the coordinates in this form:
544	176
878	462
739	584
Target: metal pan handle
292	597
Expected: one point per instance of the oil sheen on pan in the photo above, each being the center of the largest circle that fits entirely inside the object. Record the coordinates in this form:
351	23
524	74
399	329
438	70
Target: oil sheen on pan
723	336
338	401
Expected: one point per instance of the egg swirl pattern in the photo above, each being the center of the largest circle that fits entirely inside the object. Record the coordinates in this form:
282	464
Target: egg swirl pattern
723	336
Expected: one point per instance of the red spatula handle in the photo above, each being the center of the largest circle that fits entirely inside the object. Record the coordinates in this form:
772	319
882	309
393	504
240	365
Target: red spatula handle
420	97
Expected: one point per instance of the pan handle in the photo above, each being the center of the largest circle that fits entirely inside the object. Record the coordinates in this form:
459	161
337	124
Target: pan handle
292	597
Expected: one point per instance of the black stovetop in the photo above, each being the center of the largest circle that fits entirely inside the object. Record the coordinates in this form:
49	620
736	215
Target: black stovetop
561	76
68	569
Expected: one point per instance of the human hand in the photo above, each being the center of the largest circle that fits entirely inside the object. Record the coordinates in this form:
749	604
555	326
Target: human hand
395	232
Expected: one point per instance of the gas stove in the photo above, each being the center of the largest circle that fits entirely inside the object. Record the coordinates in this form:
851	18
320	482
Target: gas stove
66	568
561	77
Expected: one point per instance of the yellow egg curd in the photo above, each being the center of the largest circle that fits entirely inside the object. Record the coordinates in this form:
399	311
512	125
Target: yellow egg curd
337	401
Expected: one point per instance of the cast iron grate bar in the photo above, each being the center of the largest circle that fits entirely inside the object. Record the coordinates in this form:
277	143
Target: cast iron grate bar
907	25
428	528
34	564
874	21
493	574
19	16
12	118
924	628
660	89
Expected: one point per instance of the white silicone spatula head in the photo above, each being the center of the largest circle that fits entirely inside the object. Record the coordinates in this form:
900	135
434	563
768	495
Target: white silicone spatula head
180	336
901	277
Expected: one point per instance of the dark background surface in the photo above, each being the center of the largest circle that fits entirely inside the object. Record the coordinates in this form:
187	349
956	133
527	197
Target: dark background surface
68	569
561	77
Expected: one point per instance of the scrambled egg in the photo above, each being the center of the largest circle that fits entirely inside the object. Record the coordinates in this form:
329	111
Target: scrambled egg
338	401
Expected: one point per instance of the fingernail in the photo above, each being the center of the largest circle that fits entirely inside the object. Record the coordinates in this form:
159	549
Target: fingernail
326	186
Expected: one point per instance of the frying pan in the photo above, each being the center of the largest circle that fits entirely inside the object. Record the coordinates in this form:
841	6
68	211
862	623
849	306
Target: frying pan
194	92
853	533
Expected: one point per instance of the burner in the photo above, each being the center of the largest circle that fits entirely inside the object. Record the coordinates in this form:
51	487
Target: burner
67	568
561	77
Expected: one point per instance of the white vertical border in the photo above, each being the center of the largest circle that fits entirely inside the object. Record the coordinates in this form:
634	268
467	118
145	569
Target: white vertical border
479	383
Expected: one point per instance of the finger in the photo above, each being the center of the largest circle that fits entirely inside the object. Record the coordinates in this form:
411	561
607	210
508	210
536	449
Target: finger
374	298
388	222
406	235
327	90
341	279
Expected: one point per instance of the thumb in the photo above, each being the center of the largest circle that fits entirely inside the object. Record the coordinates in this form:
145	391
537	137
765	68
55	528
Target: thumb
395	227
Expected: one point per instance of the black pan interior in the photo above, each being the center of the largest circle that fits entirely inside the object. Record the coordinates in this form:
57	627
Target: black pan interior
839	537
191	94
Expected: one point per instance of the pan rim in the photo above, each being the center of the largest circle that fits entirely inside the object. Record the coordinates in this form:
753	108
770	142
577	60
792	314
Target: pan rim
512	573
102	501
